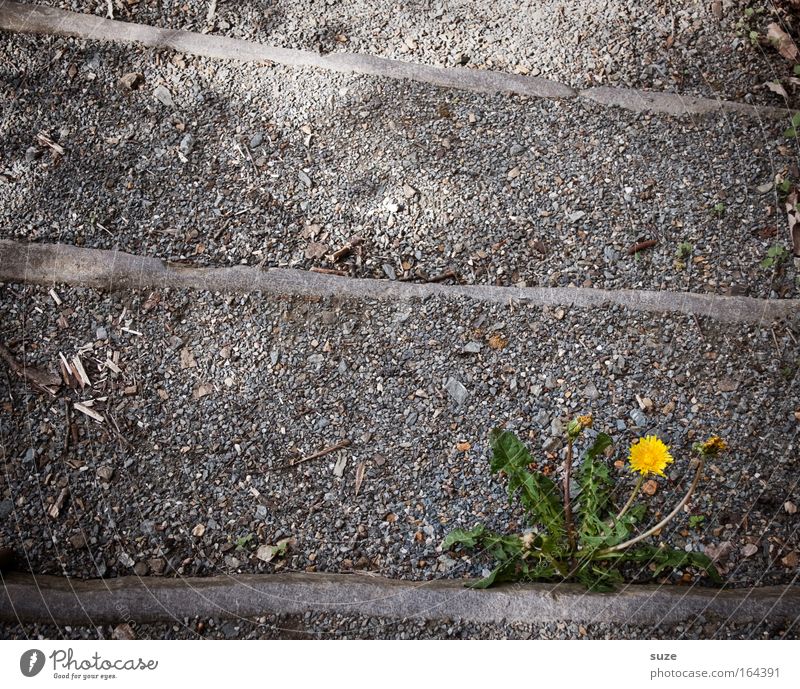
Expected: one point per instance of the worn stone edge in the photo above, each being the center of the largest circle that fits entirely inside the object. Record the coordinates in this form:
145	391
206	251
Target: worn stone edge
19	17
51	264
31	598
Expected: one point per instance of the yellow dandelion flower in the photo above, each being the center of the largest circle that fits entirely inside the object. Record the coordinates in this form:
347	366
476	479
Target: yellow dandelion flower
650	456
586	420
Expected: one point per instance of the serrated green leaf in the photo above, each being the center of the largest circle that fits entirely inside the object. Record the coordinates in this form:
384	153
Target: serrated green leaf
597	578
537	493
508	452
504	572
664	557
468	539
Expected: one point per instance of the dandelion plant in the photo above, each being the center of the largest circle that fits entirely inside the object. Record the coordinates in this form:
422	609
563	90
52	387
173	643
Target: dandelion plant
588	539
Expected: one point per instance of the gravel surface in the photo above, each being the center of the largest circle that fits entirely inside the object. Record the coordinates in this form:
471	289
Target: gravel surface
221	163
697	47
330	626
186	474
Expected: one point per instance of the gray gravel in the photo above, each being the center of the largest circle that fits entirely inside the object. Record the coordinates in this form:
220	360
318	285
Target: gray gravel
217	394
280	167
686	47
332	626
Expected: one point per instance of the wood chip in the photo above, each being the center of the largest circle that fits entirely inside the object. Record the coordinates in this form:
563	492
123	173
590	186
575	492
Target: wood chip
80	372
641	246
88	411
347	249
360	472
111	365
55	297
58	505
45	140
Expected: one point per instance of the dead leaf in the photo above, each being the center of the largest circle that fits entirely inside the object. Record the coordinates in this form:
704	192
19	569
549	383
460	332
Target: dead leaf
187	358
131	81
749	550
463	447
793	218
775	87
360	471
202	390
198	530
721	552
781	41
497	341
649	487
791	560
267	553
790	507
316	250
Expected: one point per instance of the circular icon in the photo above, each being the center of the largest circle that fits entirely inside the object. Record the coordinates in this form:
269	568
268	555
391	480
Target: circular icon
31	662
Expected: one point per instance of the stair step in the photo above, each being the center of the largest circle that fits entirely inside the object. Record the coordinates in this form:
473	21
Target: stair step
217	393
280	167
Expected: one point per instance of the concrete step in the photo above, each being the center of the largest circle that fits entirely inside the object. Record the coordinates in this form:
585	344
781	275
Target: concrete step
281	166
187	469
691	47
381	605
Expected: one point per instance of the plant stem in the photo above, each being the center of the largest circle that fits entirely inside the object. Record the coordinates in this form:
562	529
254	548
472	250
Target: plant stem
567	504
621	546
628	504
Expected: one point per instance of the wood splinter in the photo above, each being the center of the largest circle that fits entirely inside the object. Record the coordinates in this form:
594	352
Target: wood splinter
328	271
346	250
641	246
326	451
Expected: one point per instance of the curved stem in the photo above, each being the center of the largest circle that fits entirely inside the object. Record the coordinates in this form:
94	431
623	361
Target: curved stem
567	504
621	546
628	504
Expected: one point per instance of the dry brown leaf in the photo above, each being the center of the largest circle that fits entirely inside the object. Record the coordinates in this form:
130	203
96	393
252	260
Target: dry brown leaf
316	250
202	390
187	358
463	447
793	219
775	87
649	487
749	550
782	41
497	341
198	530
791	560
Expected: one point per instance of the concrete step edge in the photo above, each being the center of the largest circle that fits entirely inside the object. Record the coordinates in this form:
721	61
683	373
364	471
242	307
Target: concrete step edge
30	598
24	18
50	264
